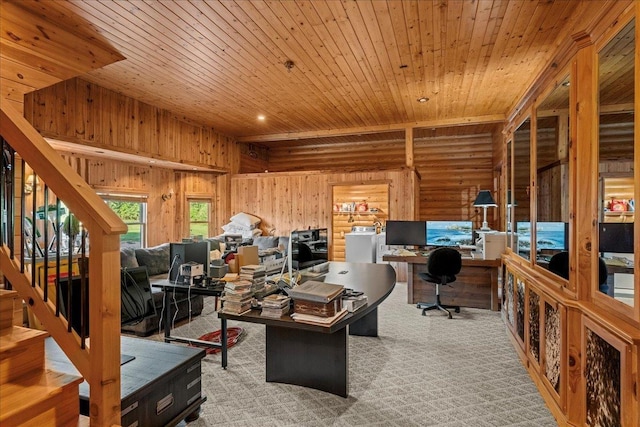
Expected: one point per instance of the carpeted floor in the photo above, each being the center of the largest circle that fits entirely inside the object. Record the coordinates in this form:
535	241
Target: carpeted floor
420	371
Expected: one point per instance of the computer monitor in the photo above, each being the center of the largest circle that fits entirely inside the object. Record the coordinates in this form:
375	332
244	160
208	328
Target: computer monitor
136	297
182	253
552	236
406	233
449	233
616	237
523	233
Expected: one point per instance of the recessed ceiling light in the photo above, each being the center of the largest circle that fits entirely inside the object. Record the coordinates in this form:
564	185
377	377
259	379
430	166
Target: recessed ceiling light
423	99
152	161
261	117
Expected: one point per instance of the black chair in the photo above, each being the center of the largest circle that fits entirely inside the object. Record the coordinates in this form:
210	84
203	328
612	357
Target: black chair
442	267
559	264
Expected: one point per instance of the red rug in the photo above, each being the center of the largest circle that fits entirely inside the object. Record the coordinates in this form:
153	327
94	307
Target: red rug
233	336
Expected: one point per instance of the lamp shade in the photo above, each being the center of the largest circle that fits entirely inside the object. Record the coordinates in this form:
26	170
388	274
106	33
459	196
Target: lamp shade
510	201
484	198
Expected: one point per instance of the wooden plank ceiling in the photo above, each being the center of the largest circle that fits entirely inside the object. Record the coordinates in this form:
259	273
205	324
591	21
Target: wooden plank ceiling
357	65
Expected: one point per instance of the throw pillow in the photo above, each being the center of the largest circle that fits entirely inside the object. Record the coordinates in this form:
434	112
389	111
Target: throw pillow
245	220
156	259
128	258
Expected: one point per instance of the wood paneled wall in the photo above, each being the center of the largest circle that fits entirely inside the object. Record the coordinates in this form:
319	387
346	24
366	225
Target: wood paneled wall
77	111
165	219
289	201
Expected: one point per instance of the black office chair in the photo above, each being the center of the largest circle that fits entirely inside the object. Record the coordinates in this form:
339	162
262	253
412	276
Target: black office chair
442	267
559	264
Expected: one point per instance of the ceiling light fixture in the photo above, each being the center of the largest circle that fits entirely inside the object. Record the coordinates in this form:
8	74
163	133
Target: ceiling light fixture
289	64
423	99
261	117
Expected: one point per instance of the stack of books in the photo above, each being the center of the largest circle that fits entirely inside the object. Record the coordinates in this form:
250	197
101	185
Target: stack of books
237	297
354	302
256	274
275	306
317	303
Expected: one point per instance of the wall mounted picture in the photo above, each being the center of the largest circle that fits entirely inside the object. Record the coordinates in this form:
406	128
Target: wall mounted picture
534	325
602	372
552	345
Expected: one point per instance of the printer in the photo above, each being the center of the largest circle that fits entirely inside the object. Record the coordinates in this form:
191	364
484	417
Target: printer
490	245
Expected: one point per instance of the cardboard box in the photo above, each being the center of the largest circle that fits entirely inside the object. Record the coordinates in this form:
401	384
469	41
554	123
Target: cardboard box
248	255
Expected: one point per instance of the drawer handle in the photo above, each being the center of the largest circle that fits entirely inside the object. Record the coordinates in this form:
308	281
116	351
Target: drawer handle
164	403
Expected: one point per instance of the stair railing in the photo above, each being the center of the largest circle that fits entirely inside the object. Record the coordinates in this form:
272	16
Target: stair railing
97	358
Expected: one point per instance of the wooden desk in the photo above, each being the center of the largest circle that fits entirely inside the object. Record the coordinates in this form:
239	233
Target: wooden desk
318	356
476	285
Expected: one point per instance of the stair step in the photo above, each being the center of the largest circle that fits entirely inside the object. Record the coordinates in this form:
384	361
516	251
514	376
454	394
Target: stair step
21	352
7	308
40	399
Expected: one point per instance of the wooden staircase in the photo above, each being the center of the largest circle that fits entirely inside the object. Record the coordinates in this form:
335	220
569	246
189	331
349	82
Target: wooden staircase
30	394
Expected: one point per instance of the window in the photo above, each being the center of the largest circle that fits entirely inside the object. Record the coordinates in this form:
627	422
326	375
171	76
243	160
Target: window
133	211
199	217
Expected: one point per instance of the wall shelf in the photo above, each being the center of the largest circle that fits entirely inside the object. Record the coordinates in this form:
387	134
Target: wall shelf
369	212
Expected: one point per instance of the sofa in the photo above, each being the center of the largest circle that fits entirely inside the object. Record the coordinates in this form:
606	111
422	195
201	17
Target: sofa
156	260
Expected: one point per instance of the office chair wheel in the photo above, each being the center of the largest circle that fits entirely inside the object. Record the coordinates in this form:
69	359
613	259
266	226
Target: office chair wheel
457	309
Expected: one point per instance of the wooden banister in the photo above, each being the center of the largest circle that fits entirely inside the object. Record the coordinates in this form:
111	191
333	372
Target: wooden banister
79	197
99	359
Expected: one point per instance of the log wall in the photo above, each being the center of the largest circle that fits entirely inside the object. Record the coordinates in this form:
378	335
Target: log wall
453	166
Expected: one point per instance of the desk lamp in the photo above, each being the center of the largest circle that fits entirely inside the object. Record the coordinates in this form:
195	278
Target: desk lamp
484	200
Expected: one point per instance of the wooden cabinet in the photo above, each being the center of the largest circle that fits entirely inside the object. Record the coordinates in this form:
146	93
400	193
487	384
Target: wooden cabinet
585	366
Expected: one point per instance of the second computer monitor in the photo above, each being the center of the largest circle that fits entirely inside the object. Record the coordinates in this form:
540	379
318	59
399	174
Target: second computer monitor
405	233
182	253
449	233
616	237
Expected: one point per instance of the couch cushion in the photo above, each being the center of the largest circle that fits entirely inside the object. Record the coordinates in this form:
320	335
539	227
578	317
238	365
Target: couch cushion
214	244
128	258
156	259
266	242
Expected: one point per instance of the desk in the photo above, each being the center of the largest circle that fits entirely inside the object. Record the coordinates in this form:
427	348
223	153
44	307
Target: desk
318	356
168	288
476	285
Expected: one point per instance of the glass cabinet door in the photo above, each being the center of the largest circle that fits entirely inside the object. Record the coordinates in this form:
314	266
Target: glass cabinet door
616	157
522	189
552	180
